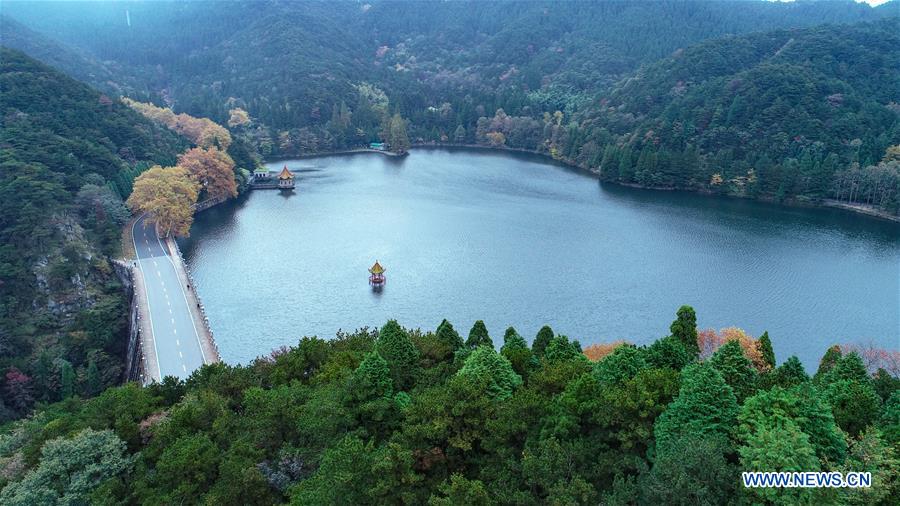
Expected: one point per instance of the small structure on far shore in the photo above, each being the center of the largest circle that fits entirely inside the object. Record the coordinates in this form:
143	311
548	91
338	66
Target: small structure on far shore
261	174
378	146
285	179
376	274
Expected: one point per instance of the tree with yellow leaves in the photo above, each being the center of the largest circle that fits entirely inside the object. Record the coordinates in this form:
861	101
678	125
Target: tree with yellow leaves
201	131
239	117
167	195
212	170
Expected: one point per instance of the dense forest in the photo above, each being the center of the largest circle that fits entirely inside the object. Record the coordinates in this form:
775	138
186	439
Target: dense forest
70	155
398	416
805	113
787	102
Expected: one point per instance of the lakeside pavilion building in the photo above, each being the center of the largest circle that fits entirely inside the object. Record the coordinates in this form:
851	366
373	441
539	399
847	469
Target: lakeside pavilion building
285	179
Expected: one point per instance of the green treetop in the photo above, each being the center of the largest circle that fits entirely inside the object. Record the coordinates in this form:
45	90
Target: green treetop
395	346
622	364
684	328
485	364
735	368
372	379
705	405
765	347
447	335
478	336
542	340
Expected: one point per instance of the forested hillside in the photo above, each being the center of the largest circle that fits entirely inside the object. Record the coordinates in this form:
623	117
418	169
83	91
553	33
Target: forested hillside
70	155
408	417
793	114
780	114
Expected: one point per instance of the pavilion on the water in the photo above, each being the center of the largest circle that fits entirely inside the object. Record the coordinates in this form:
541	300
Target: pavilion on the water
376	274
285	179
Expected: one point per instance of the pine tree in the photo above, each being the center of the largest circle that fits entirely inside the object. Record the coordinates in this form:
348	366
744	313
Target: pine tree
395	346
684	328
478	336
459	136
67	379
765	347
516	350
494	370
830	358
705	406
621	365
790	373
372	379
397	136
543	338
446	334
93	383
735	368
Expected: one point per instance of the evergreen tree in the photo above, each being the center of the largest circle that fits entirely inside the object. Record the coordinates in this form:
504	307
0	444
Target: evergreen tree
790	373
395	346
694	471
492	370
765	347
802	405
516	350
735	368
398	138
543	338
561	349
622	364
478	336
372	379
781	447
668	352
705	406
459	136
67	379
830	358
448	336
684	328
93	383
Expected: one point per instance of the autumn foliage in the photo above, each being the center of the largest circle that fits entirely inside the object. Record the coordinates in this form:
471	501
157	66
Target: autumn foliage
875	358
709	341
598	351
201	131
168	195
212	170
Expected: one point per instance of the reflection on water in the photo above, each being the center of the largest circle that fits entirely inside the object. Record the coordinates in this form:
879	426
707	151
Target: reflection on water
514	240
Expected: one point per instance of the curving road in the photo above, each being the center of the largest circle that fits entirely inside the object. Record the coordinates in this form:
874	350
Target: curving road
176	341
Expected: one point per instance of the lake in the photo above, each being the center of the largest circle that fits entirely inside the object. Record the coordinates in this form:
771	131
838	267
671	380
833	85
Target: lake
517	240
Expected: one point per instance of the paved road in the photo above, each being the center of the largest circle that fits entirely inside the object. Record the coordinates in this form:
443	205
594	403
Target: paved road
175	338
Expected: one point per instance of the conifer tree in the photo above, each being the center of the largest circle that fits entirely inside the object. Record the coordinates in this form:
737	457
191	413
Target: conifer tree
478	336
395	346
735	368
372	379
542	340
516	350
684	328
705	406
765	347
486	365
447	335
67	379
790	373
93	383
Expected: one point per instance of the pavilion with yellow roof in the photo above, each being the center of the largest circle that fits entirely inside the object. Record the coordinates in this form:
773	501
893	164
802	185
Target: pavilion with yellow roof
285	179
376	274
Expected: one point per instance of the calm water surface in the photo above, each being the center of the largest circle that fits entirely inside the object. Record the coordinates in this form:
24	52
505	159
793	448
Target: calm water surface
515	240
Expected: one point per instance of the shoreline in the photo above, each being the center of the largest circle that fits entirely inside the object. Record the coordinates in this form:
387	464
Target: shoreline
823	204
